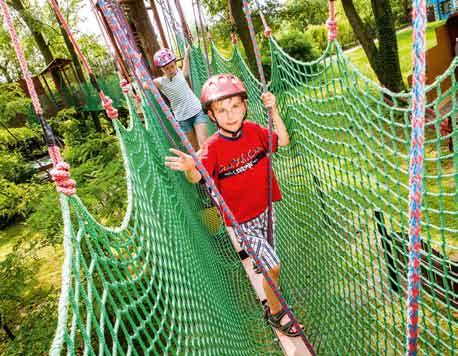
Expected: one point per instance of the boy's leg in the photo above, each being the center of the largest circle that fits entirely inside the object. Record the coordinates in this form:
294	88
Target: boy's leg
272	300
255	233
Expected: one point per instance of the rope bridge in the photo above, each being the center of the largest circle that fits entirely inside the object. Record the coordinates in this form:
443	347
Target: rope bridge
167	281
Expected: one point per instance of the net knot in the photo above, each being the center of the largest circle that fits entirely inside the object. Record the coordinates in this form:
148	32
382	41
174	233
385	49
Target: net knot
233	38
61	176
107	103
332	27
125	86
267	31
446	127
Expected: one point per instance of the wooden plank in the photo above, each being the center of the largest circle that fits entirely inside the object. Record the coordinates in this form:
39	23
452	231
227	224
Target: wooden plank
291	346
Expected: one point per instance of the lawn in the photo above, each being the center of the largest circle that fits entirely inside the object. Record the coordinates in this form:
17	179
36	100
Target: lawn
358	56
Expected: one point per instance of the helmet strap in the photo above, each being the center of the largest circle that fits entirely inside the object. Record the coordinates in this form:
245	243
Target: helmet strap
233	133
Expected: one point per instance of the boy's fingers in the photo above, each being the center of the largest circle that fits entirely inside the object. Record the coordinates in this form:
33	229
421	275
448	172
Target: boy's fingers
173	165
178	152
172	159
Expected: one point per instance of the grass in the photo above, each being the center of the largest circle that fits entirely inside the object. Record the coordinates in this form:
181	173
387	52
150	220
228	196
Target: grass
359	59
48	273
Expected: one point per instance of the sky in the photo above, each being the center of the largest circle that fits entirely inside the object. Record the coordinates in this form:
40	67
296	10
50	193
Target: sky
91	26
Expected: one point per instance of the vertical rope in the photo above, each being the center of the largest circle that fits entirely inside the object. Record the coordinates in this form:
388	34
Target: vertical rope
331	23
257	54
416	171
202	30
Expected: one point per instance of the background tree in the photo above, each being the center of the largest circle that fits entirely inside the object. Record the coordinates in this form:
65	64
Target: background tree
383	56
222	10
237	16
141	24
35	28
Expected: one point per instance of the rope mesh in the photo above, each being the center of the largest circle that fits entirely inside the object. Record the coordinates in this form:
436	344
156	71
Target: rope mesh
168	281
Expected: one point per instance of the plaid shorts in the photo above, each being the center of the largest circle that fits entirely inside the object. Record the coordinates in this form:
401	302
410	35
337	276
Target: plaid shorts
255	231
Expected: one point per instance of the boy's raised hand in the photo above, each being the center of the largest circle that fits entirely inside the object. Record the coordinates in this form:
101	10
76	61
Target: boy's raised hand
269	100
183	162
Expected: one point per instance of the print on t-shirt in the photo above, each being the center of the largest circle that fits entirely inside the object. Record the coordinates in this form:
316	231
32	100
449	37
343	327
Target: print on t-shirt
241	164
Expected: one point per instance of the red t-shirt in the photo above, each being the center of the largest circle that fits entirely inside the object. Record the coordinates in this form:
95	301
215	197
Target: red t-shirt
239	169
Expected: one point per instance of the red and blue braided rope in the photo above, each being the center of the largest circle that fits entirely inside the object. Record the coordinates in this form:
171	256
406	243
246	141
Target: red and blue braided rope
416	172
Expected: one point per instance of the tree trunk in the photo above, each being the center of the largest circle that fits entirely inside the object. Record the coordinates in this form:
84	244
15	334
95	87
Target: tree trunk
406	11
79	72
7	330
384	60
241	26
148	42
39	39
96	121
389	67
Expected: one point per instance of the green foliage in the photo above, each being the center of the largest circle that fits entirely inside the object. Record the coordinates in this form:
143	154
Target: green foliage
14	168
16	201
318	35
299	14
12	102
298	45
45	217
28	142
99	149
16	271
35	323
28	310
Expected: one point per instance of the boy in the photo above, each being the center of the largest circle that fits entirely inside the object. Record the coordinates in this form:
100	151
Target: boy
235	156
185	105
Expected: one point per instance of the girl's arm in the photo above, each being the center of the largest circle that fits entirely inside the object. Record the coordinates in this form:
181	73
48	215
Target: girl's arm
185	68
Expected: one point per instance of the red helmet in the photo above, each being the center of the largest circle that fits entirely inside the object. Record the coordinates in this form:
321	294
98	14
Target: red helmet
221	86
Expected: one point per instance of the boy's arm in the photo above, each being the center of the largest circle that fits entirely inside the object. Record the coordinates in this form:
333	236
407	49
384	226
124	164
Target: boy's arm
280	128
193	176
183	162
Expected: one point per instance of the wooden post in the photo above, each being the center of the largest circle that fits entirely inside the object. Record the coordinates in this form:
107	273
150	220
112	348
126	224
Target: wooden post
184	24
158	22
387	251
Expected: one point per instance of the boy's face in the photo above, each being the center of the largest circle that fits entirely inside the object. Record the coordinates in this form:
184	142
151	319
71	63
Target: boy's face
169	70
229	113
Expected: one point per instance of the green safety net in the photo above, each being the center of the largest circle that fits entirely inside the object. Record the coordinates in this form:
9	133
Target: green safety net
169	282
